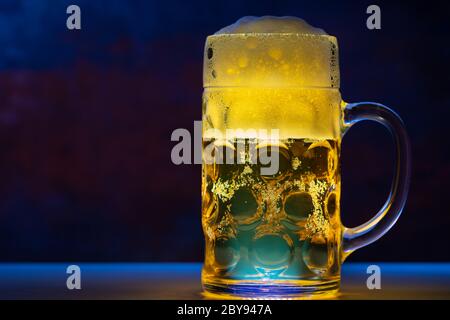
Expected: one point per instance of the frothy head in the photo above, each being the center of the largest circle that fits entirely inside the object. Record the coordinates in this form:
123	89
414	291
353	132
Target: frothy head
272	52
271	24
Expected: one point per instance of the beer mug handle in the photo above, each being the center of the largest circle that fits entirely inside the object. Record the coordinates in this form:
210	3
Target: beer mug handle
372	230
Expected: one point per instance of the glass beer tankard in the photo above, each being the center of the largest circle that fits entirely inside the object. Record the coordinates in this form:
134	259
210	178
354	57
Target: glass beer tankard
280	234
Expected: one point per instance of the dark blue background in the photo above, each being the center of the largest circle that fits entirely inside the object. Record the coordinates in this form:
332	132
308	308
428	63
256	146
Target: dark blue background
86	118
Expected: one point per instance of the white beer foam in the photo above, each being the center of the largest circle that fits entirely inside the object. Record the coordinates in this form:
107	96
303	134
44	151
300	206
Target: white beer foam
271	24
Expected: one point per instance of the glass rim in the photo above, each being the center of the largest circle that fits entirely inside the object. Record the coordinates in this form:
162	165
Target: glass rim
293	34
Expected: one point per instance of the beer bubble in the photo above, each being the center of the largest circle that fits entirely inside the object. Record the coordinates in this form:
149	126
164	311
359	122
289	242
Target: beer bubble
210	53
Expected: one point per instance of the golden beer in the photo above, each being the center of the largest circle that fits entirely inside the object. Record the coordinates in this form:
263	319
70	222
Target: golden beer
280	234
